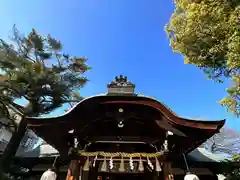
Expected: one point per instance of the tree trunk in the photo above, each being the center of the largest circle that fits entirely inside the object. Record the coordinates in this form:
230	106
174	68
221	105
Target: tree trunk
12	146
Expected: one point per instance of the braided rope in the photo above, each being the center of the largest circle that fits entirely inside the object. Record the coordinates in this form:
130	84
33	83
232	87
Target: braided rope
120	154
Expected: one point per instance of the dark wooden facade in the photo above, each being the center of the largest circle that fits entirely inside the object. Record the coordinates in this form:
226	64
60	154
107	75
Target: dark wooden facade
122	121
206	169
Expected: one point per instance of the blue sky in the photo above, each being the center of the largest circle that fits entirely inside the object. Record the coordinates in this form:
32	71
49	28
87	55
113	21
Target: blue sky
122	37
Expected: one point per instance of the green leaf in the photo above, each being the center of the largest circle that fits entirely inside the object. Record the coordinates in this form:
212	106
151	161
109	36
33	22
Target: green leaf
207	34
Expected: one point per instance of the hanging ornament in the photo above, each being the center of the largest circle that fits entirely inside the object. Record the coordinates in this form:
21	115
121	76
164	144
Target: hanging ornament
94	161
131	164
111	163
165	145
86	165
190	176
158	166
104	165
141	167
55	160
121	168
49	175
150	163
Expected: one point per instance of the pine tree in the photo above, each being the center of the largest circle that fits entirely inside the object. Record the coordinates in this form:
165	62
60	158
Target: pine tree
34	68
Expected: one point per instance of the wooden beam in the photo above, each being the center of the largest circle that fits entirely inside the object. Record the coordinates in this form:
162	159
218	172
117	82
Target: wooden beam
122	138
168	127
167	171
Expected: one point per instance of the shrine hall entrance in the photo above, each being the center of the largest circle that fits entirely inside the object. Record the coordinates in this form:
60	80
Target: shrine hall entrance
122	135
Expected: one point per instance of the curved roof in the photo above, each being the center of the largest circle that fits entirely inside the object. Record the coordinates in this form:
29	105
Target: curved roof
144	100
203	155
44	150
43	126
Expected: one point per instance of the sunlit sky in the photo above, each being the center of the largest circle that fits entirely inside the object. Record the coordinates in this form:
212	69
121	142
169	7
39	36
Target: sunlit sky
122	37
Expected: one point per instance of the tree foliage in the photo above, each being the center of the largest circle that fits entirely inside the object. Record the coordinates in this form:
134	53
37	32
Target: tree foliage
207	34
34	68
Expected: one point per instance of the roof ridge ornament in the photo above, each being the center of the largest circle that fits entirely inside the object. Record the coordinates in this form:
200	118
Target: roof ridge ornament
121	85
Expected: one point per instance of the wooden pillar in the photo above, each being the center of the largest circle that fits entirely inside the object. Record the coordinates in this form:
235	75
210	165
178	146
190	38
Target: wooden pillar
93	174
85	175
157	175
73	172
167	170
